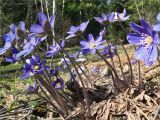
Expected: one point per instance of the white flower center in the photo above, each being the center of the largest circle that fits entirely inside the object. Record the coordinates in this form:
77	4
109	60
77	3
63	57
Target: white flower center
148	41
36	67
92	45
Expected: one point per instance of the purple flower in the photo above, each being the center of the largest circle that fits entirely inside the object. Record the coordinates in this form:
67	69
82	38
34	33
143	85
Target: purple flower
121	16
110	50
105	19
28	47
92	44
77	30
102	32
8	38
18	31
13	58
33	88
78	56
45	26
58	84
54	49
157	26
65	62
54	72
147	39
33	66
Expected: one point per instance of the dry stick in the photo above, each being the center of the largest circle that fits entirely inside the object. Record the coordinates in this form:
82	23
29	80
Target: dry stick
22	118
156	114
137	9
138	109
151	68
83	87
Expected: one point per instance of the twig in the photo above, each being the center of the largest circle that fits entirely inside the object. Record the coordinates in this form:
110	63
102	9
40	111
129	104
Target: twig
29	112
156	114
138	109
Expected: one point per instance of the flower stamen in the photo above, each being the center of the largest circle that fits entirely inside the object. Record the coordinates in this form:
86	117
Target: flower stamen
148	41
36	67
92	45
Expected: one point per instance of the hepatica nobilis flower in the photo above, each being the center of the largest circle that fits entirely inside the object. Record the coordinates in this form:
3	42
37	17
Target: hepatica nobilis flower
147	39
19	30
77	30
55	71
45	27
58	84
92	44
13	58
54	49
33	66
8	38
105	19
33	88
121	16
110	50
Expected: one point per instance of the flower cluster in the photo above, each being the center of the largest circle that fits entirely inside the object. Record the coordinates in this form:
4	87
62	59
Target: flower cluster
21	43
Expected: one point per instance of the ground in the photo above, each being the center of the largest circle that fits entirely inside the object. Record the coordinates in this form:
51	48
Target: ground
129	104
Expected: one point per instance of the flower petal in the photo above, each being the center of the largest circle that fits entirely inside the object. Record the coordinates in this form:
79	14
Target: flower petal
42	18
70	36
134	39
35	28
156	27
146	27
52	20
156	38
85	51
141	53
98	19
111	17
90	38
137	28
83	26
153	55
22	26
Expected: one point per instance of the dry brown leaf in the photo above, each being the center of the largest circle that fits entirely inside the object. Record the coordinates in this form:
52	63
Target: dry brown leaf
148	99
130	116
106	113
140	96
